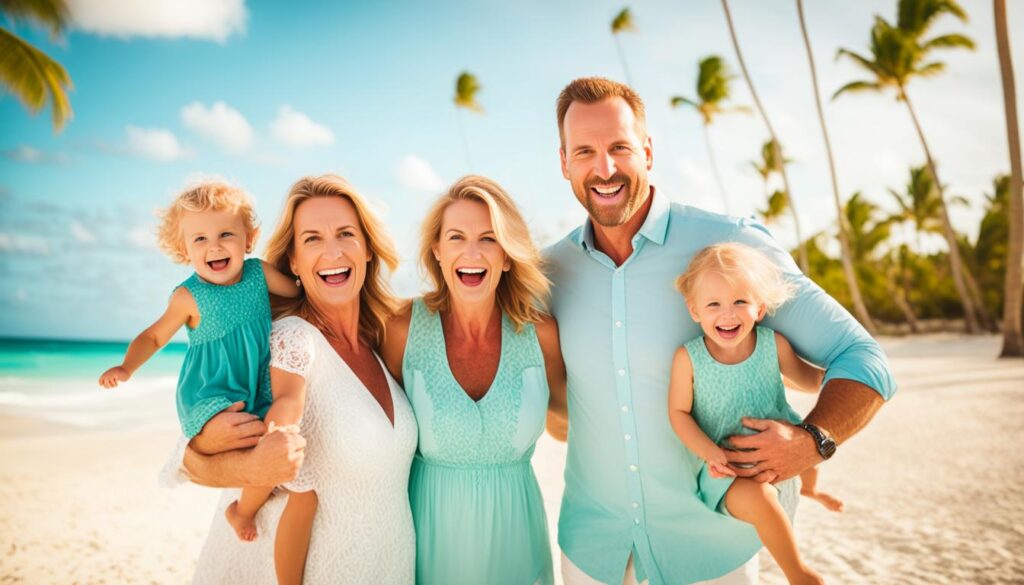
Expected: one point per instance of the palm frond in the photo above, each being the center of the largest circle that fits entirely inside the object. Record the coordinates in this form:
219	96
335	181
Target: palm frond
677	101
949	41
466	88
52	15
857	86
34	78
929	69
859	59
623	21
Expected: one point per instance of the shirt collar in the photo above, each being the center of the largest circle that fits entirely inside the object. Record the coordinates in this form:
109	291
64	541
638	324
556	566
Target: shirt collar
654	228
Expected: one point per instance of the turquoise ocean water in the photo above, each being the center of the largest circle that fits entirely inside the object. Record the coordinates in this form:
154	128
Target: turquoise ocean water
57	381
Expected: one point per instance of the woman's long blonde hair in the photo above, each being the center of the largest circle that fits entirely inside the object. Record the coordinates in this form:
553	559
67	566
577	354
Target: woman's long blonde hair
523	290
377	303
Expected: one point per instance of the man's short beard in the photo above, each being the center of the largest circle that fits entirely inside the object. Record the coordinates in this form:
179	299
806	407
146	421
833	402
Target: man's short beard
635	195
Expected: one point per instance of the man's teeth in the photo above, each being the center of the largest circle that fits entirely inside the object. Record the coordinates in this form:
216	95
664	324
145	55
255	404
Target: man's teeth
607	190
333	271
470	270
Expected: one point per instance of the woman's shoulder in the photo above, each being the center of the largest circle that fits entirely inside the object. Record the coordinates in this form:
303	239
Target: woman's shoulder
293	326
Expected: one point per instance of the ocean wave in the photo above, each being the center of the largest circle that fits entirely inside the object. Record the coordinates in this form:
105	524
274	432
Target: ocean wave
79	394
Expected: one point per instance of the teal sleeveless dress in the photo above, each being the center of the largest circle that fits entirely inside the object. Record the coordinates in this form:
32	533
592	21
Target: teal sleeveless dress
228	356
723	394
476	504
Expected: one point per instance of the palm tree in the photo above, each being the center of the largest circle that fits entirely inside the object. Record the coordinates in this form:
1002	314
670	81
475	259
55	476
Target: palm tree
27	72
466	88
859	308
1013	338
898	55
623	22
778	204
771	133
712	90
920	204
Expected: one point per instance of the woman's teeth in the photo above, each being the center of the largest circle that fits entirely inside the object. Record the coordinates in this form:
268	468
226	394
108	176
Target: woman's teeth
471	276
334	275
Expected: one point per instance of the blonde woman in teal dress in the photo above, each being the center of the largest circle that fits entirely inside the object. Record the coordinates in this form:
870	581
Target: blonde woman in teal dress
480	361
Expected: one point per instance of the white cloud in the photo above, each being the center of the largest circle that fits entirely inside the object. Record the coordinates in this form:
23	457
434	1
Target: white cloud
296	130
142	237
199	19
81	234
155	143
219	123
22	243
415	173
27	154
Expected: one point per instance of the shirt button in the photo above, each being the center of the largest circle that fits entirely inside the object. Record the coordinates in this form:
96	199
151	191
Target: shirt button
636	521
618	323
625	409
636	505
622	372
632	468
627	437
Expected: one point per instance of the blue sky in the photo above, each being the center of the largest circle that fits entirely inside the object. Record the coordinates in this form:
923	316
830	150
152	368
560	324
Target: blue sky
261	93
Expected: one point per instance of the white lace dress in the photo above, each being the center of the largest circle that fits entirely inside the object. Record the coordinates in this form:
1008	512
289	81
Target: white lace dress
357	463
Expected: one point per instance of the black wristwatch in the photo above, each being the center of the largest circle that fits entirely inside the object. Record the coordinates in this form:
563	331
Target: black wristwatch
826	446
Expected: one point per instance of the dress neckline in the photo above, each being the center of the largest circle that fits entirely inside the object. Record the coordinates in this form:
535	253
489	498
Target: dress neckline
497	372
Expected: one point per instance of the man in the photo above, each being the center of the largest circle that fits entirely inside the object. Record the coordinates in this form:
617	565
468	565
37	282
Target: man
630	512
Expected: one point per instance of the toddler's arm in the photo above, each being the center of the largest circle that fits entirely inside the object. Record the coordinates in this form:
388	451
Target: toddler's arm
680	404
181	308
800	374
278	283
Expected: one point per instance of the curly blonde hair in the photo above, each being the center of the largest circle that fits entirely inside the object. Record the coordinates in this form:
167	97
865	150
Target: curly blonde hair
377	303
738	264
523	291
207	196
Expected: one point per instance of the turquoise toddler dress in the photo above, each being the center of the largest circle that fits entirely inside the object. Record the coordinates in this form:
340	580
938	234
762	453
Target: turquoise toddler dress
476	504
723	394
228	356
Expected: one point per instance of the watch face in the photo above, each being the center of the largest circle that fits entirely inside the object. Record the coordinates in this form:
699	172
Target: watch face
827	448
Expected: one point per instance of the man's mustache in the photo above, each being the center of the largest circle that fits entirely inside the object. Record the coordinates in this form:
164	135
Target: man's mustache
614	179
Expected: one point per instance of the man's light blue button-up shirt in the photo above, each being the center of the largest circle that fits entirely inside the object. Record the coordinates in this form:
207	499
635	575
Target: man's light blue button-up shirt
630	484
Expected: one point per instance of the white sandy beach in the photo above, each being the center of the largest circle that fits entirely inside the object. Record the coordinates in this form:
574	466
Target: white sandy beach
932	487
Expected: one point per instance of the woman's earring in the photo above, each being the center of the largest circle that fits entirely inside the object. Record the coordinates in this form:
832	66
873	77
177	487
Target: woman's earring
298	283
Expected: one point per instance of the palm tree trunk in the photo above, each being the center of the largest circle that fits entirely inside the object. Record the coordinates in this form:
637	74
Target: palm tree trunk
714	169
771	133
955	262
984	318
465	141
899	297
859	308
622	57
1013	338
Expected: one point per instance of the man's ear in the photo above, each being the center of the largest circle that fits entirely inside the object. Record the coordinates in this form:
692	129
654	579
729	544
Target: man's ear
564	161
649	152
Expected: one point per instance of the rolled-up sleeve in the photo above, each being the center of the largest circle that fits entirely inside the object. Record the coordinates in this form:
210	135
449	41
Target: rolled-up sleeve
820	329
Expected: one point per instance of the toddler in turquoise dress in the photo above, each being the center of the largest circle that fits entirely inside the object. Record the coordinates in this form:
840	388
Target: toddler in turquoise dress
733	371
225	308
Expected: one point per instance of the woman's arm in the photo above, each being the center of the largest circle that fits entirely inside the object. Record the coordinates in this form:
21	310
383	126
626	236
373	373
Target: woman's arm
289	391
180	310
554	366
396	333
680	405
277	283
801	375
276	459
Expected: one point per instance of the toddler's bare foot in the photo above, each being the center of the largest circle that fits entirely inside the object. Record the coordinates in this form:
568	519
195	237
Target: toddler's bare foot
245	526
830	502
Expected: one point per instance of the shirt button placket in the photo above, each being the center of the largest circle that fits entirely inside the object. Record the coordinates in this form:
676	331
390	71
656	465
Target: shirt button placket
624	393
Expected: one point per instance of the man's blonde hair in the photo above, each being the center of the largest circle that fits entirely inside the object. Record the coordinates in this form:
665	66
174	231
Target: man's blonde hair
207	196
377	303
523	291
738	264
591	90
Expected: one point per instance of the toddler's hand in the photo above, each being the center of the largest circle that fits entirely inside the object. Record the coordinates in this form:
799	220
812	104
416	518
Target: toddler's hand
718	466
114	376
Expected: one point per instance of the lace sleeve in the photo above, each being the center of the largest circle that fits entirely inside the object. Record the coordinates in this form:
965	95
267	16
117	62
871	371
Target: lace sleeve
173	473
291	346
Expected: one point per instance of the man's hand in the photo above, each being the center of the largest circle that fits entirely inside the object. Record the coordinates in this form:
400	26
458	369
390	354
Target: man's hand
276	459
779	450
229	430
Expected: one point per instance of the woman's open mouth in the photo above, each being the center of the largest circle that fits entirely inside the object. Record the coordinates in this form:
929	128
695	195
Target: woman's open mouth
471	276
728	332
219	265
335	276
